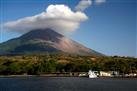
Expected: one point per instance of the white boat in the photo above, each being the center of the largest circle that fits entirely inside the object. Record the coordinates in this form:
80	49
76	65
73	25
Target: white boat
92	74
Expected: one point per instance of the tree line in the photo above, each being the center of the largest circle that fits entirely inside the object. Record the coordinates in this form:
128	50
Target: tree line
37	64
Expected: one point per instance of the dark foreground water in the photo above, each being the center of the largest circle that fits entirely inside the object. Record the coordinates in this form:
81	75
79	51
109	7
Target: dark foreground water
67	84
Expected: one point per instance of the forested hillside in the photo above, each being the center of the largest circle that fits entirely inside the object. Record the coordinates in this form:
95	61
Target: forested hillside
36	64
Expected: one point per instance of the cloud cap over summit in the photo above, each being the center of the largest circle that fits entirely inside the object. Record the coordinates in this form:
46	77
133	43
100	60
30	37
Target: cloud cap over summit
57	17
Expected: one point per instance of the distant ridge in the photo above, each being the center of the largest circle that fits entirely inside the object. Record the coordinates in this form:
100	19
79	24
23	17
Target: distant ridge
40	41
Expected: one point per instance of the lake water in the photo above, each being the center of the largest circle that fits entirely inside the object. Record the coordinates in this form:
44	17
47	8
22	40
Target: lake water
67	84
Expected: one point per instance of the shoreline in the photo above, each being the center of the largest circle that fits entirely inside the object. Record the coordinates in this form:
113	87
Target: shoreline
13	76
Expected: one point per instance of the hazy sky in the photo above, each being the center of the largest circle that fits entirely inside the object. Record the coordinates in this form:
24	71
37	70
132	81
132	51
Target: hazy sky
109	29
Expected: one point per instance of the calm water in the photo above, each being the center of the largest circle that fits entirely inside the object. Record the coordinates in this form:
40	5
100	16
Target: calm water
67	84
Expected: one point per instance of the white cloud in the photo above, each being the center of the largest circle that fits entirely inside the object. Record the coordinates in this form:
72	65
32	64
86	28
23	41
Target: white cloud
83	4
100	1
58	17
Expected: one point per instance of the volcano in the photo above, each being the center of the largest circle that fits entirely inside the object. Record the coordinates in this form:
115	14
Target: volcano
40	41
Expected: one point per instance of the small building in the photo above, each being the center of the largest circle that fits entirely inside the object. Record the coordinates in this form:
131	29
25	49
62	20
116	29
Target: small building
109	73
105	73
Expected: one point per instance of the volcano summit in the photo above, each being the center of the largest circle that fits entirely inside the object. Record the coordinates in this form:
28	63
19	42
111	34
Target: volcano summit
40	41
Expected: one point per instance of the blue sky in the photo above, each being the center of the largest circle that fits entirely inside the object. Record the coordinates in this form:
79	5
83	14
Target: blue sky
110	29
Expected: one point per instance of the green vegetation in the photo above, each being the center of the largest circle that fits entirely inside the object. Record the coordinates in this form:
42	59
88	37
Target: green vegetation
50	63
